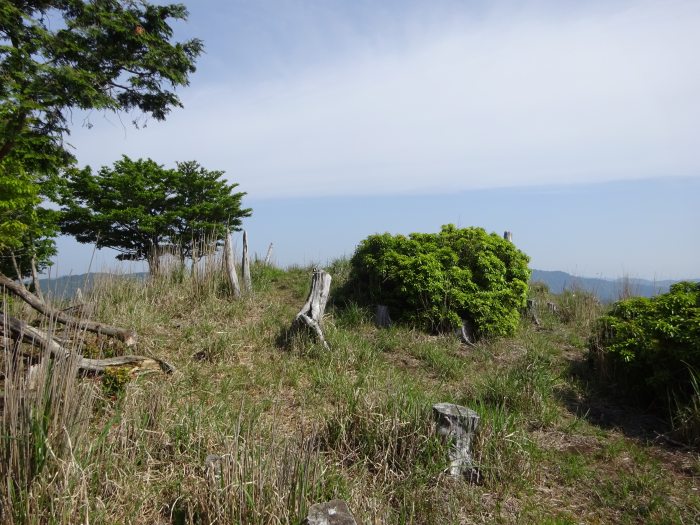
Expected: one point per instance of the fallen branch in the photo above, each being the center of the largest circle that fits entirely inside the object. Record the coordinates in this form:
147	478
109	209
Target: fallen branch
127	336
311	314
20	331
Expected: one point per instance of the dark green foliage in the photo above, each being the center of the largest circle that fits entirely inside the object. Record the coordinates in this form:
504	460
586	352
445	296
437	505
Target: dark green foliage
651	346
56	56
437	280
144	210
106	55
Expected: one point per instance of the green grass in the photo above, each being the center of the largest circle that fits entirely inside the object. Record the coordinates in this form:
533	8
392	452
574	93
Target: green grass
296	424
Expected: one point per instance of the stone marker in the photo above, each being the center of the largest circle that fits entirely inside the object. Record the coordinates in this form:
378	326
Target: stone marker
334	512
457	425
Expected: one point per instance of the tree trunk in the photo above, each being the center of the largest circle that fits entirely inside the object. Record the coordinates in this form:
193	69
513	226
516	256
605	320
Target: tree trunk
230	265
35	281
22	332
245	266
127	336
20	277
311	314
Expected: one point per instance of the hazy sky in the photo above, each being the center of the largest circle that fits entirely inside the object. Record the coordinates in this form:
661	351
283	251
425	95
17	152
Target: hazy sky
574	124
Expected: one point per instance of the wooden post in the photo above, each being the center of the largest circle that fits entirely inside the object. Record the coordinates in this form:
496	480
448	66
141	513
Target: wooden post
268	256
230	265
508	236
245	266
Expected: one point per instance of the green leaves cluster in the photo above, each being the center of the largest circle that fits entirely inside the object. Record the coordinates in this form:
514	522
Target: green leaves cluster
26	228
438	280
651	344
142	209
57	55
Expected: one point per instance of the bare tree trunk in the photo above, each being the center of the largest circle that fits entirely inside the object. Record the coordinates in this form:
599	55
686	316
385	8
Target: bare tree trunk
127	336
20	278
268	255
35	281
245	270
230	265
311	314
21	331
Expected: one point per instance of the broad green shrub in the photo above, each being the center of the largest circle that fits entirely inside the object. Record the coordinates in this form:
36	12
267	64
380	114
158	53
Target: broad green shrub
650	346
437	280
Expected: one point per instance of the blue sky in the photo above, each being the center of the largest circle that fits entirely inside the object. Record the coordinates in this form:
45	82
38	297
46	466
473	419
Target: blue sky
574	124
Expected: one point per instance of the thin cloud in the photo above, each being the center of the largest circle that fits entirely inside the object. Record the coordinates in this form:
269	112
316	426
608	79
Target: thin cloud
512	99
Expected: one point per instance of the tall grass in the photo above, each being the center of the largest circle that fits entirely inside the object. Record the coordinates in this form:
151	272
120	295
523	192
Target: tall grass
46	416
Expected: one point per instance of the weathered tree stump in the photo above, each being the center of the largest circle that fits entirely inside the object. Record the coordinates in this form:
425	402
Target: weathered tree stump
466	333
230	264
334	512
311	314
552	307
381	316
532	312
457	425
245	265
268	255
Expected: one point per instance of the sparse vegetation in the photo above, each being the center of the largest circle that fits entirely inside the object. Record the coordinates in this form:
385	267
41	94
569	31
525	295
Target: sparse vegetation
249	432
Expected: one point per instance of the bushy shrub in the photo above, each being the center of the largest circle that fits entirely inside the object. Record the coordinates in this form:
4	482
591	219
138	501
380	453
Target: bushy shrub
650	346
437	280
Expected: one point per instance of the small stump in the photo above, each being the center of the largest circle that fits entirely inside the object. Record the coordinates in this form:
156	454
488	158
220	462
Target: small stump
457	425
381	316
334	512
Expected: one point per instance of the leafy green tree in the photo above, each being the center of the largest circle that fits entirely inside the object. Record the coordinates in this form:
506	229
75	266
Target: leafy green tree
208	209
26	228
60	55
144	210
439	280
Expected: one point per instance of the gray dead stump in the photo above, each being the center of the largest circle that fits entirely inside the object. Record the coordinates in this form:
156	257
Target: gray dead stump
311	314
381	316
230	267
457	425
531	311
245	266
552	307
466	333
334	512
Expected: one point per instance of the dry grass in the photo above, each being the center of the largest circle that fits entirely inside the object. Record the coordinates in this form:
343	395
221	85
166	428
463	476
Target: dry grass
250	432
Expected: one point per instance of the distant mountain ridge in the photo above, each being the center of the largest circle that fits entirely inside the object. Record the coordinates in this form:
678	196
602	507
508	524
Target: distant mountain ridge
607	290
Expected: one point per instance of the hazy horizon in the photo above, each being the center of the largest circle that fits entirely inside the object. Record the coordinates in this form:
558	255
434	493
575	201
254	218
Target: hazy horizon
575	125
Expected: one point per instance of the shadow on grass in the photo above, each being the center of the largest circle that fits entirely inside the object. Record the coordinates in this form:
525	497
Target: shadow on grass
589	398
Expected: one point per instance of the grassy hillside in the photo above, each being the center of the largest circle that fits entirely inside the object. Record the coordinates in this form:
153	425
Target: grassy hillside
294	424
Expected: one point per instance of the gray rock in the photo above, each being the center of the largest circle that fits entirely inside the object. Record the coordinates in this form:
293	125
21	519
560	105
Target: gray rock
334	512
